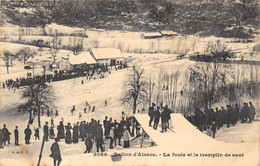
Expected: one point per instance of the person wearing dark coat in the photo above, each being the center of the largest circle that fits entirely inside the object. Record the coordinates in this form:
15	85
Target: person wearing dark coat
218	118
36	134
244	112
6	135
121	125
156	118
75	133
1	138
27	133
213	129
164	120
46	131
84	130
168	116
151	114
228	116
106	126
117	135
55	153
236	112
91	128
16	136
60	129
99	138
251	112
68	134
89	144
52	135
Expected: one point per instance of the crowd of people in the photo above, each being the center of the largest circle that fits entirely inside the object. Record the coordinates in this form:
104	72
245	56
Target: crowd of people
89	132
212	120
57	76
95	133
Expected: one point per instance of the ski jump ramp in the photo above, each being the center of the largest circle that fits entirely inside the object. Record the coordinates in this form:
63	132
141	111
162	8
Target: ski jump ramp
183	135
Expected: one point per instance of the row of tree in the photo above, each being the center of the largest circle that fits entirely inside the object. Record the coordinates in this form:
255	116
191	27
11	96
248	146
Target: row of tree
204	84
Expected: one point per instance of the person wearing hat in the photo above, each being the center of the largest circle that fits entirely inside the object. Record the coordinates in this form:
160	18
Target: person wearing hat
126	137
46	131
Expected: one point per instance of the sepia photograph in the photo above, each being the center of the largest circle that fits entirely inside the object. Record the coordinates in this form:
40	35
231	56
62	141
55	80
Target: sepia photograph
129	83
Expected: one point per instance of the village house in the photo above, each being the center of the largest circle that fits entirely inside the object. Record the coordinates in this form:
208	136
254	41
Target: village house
107	56
77	61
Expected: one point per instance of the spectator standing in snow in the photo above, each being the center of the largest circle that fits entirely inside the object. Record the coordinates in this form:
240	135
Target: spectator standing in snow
55	152
52	135
111	137
151	114
6	135
68	134
16	136
36	134
46	131
27	133
126	137
60	129
75	133
156	118
251	112
213	129
89	144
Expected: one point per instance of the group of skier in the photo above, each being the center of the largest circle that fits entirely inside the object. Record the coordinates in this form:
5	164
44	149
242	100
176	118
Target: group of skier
157	113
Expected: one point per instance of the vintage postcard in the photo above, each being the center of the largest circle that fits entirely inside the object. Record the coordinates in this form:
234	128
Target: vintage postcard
129	82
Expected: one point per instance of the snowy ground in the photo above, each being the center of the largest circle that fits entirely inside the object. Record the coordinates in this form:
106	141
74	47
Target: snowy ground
243	137
184	140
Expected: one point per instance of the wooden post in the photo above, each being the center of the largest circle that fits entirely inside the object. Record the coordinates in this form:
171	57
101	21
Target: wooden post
40	156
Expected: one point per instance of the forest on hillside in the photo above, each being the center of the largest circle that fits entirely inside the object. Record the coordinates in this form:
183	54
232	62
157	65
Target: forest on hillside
223	18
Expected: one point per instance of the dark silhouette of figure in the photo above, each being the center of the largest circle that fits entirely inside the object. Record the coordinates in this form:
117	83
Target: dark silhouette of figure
27	133
16	136
55	152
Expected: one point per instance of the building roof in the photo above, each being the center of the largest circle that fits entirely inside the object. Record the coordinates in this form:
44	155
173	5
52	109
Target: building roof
81	58
152	34
106	53
169	33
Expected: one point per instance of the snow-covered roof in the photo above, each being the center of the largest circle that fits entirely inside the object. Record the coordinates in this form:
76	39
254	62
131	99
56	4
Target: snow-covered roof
81	58
152	34
106	53
39	60
169	33
61	54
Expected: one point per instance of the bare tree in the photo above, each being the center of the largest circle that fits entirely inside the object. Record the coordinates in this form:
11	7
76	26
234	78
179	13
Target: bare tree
38	96
150	91
208	74
26	53
135	89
